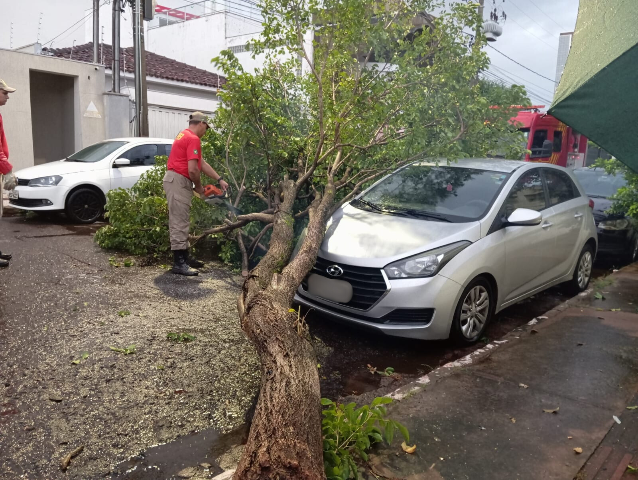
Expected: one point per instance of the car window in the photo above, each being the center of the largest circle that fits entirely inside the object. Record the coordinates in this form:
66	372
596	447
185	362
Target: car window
527	192
560	186
96	152
598	183
455	193
539	137
141	155
168	149
558	141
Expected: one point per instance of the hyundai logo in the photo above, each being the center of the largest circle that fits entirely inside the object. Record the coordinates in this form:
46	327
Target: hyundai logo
334	271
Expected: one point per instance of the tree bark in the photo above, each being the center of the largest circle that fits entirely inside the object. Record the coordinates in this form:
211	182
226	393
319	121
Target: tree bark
285	437
285	440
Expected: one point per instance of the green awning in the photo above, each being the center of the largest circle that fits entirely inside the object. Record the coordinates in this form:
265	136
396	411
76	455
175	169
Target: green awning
598	92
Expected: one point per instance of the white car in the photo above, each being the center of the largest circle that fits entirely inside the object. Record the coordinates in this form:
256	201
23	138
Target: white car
78	184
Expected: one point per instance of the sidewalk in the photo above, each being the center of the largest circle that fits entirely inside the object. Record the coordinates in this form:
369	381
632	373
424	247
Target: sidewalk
482	417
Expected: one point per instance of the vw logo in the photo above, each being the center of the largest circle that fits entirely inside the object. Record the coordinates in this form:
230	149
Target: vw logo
334	271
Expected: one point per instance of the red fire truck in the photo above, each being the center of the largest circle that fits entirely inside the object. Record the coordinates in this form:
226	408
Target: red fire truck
549	140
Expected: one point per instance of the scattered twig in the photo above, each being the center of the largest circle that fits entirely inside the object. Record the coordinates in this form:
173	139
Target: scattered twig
64	464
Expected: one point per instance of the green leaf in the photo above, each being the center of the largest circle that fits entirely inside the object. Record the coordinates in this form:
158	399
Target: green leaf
389	433
380	401
403	430
325	402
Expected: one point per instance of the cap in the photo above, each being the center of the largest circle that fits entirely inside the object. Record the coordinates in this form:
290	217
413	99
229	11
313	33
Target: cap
200	117
5	87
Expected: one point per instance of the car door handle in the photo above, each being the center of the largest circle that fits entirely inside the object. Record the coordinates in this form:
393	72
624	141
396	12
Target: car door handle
547	225
578	215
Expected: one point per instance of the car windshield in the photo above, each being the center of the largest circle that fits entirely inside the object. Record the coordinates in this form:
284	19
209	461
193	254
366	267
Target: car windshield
597	183
95	153
452	194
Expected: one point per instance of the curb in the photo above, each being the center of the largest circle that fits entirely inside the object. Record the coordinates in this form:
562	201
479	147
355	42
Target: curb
406	391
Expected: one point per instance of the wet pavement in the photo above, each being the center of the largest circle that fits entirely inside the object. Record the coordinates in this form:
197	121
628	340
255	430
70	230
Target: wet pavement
62	261
521	409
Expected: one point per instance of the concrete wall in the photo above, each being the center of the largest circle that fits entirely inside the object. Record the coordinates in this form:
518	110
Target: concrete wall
88	87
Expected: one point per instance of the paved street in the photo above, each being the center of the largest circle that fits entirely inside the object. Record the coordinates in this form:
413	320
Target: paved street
79	295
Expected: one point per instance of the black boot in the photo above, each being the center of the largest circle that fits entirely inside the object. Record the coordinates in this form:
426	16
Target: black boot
4	263
180	266
193	262
5	256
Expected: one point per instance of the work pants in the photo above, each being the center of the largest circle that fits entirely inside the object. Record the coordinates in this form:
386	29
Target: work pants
179	193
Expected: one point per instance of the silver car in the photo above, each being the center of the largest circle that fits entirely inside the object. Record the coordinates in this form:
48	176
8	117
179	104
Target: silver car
435	250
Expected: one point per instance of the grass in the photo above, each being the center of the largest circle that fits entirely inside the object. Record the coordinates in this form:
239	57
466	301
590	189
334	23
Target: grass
180	337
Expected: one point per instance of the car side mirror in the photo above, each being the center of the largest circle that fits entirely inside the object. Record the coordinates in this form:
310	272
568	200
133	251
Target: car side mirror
121	162
548	146
524	217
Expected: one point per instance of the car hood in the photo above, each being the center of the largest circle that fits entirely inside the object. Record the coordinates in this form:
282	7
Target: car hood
358	237
601	205
61	167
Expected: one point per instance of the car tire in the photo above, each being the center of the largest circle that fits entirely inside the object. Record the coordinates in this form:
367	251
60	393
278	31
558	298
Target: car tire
632	255
473	312
582	272
84	205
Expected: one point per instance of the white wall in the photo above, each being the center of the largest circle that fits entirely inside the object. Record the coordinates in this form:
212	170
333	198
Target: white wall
16	114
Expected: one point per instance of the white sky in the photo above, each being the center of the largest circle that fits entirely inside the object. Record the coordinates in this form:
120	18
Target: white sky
530	33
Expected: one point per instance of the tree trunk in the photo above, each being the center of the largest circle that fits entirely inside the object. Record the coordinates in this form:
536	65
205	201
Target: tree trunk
285	439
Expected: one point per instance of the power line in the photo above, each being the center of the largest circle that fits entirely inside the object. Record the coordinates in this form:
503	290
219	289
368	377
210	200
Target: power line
521	78
521	65
492	76
535	36
537	8
521	10
83	18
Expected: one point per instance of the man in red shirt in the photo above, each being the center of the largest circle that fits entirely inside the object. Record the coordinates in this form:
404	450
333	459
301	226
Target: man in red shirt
5	167
184	170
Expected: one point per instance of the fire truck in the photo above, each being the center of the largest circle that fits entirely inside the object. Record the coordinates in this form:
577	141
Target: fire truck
549	140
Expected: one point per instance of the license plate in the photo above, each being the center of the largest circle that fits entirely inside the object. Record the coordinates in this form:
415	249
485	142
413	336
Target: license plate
331	289
14	195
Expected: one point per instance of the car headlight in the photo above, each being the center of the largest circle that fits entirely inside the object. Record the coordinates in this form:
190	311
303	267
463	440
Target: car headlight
45	181
426	264
619	224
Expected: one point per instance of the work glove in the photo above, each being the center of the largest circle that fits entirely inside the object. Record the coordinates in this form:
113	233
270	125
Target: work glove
10	181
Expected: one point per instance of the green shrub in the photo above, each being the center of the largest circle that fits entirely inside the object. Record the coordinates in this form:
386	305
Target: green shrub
138	217
349	431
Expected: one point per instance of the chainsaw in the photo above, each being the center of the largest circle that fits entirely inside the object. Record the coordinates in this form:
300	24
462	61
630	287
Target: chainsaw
216	196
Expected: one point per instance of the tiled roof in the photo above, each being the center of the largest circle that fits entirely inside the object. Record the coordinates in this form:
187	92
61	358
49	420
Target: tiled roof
156	65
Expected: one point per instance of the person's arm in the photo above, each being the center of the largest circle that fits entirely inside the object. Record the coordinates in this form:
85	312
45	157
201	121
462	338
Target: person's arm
5	166
210	172
194	175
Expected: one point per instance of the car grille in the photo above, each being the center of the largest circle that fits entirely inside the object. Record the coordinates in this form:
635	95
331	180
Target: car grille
23	182
399	316
368	284
30	202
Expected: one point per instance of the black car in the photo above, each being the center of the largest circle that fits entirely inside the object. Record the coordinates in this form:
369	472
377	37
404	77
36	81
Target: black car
617	234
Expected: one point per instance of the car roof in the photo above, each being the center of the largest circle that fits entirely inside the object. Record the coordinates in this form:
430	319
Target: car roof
493	164
139	140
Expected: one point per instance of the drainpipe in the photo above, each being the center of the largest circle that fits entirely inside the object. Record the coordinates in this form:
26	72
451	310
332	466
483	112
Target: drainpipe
96	31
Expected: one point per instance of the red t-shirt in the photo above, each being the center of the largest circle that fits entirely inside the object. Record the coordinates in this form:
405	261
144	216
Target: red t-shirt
5	166
186	146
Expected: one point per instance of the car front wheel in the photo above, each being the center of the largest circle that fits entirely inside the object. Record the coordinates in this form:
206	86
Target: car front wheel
84	206
582	273
473	312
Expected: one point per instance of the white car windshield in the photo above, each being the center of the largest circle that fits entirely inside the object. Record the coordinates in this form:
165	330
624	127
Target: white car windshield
95	153
450	194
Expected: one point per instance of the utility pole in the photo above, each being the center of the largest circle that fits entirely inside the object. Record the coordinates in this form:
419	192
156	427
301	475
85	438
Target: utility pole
480	24
116	46
141	107
96	31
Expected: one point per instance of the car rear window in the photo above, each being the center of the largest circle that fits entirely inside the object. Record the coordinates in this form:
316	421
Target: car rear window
455	193
597	183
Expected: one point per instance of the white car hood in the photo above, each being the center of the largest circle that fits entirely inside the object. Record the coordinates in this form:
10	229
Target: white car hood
61	167
358	237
